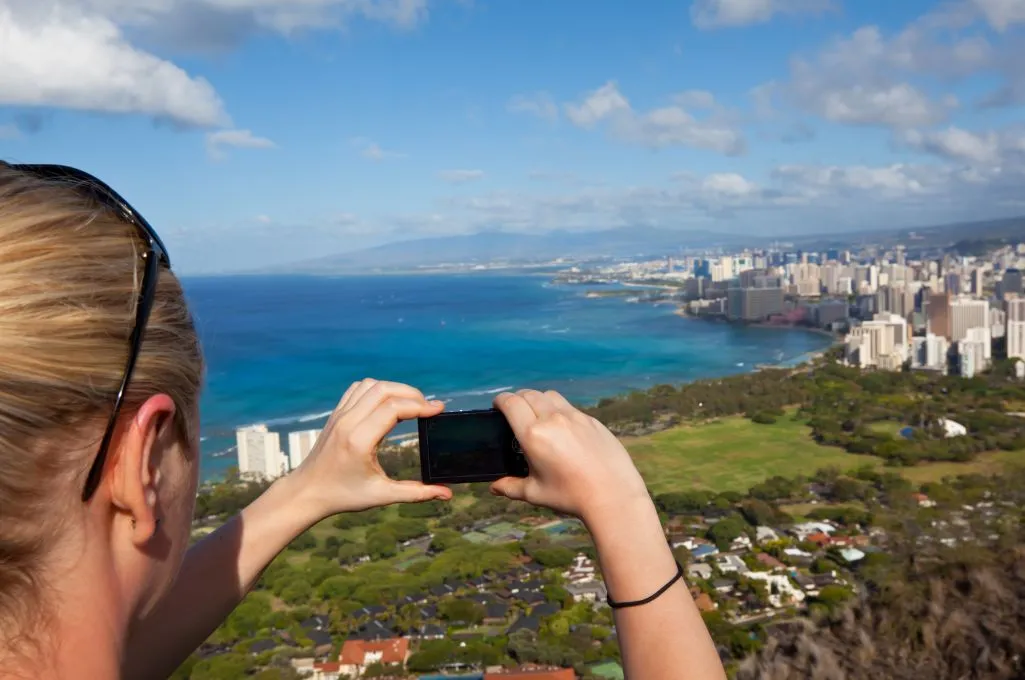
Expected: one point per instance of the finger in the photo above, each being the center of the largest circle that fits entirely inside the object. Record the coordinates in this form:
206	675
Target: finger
366	403
560	402
517	411
372	429
542	405
513	488
347	397
417	492
356	392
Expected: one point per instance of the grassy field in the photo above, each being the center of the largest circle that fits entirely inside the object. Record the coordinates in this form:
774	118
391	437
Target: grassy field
734	454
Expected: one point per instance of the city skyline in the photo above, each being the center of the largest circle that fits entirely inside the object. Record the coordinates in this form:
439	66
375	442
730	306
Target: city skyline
256	133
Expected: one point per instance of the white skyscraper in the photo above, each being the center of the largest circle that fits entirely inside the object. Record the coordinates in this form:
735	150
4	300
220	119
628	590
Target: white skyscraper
299	446
967	313
1016	328
259	453
930	353
984	338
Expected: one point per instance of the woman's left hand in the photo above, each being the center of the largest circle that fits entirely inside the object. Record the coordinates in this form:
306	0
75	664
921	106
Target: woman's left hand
342	473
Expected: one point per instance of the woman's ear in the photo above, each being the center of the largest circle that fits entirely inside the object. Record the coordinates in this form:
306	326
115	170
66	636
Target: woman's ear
145	442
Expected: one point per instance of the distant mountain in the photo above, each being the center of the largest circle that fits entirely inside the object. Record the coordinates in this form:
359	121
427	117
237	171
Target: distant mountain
494	246
513	248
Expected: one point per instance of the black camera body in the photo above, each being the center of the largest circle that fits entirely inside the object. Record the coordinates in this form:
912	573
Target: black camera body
469	446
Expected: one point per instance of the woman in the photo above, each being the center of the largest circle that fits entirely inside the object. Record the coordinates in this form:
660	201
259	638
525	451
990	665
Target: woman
100	374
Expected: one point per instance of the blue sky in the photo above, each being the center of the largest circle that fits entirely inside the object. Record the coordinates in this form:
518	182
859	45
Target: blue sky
254	132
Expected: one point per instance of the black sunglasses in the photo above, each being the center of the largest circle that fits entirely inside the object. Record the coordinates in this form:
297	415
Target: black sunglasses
153	258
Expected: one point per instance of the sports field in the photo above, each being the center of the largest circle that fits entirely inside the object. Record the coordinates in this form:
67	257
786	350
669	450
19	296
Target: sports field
734	454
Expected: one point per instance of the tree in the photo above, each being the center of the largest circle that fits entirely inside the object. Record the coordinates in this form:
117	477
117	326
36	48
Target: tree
221	667
553	557
461	611
724	531
444	539
297	592
381	545
304	541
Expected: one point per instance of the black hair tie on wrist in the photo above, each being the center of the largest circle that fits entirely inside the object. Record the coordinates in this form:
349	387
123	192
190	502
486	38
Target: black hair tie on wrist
650	598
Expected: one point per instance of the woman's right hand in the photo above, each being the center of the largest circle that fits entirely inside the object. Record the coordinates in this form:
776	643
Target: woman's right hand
577	466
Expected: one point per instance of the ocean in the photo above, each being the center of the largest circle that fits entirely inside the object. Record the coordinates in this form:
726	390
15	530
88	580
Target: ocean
282	350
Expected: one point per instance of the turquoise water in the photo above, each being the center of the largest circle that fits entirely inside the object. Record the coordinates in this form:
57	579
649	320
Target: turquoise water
282	350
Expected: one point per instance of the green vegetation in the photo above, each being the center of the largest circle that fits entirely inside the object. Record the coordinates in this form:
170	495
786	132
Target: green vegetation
731	454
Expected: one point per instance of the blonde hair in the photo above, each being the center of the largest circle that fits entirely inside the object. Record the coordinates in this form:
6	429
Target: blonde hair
70	273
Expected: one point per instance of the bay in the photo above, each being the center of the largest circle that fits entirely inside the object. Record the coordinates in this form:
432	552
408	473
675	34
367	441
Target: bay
282	350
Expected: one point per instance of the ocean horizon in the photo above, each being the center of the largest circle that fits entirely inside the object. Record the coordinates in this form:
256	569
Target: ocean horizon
281	350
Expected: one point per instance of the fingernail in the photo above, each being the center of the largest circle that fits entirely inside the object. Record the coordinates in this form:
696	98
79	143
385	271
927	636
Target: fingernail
438	402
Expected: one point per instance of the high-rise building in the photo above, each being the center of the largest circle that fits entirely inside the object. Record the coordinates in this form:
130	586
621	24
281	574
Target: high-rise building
1011	283
895	299
754	304
939	315
977	281
299	446
930	353
967	313
997	322
952	283
1016	328
259	453
881	342
831	311
982	336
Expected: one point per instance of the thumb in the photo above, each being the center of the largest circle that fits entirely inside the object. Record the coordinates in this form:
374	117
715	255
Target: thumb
514	488
418	492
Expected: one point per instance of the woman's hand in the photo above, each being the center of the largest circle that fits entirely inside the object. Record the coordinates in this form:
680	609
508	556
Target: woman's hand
342	473
576	465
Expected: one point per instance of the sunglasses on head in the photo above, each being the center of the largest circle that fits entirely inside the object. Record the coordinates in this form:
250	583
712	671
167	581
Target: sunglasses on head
155	255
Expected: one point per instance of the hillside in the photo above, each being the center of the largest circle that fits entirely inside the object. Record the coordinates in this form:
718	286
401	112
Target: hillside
927	619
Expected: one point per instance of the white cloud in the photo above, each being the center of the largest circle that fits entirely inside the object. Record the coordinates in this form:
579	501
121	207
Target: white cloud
539	104
218	142
987	149
600	104
868	79
76	54
728	184
372	150
64	58
667	126
707	14
1001	14
264	219
461	176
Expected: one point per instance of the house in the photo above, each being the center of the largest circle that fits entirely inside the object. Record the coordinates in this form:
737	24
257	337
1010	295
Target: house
705	603
769	561
765	535
327	671
588	591
700	570
852	554
316	622
923	500
430	631
546	609
723	585
803	531
704	550
495	613
531	597
731	564
531	623
528	673
582	569
322	642
261	646
370	611
819	538
781	590
375	630
358	654
804	581
741	542
823	580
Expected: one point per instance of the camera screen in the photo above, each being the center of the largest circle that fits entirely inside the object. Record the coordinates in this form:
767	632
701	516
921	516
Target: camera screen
462	445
